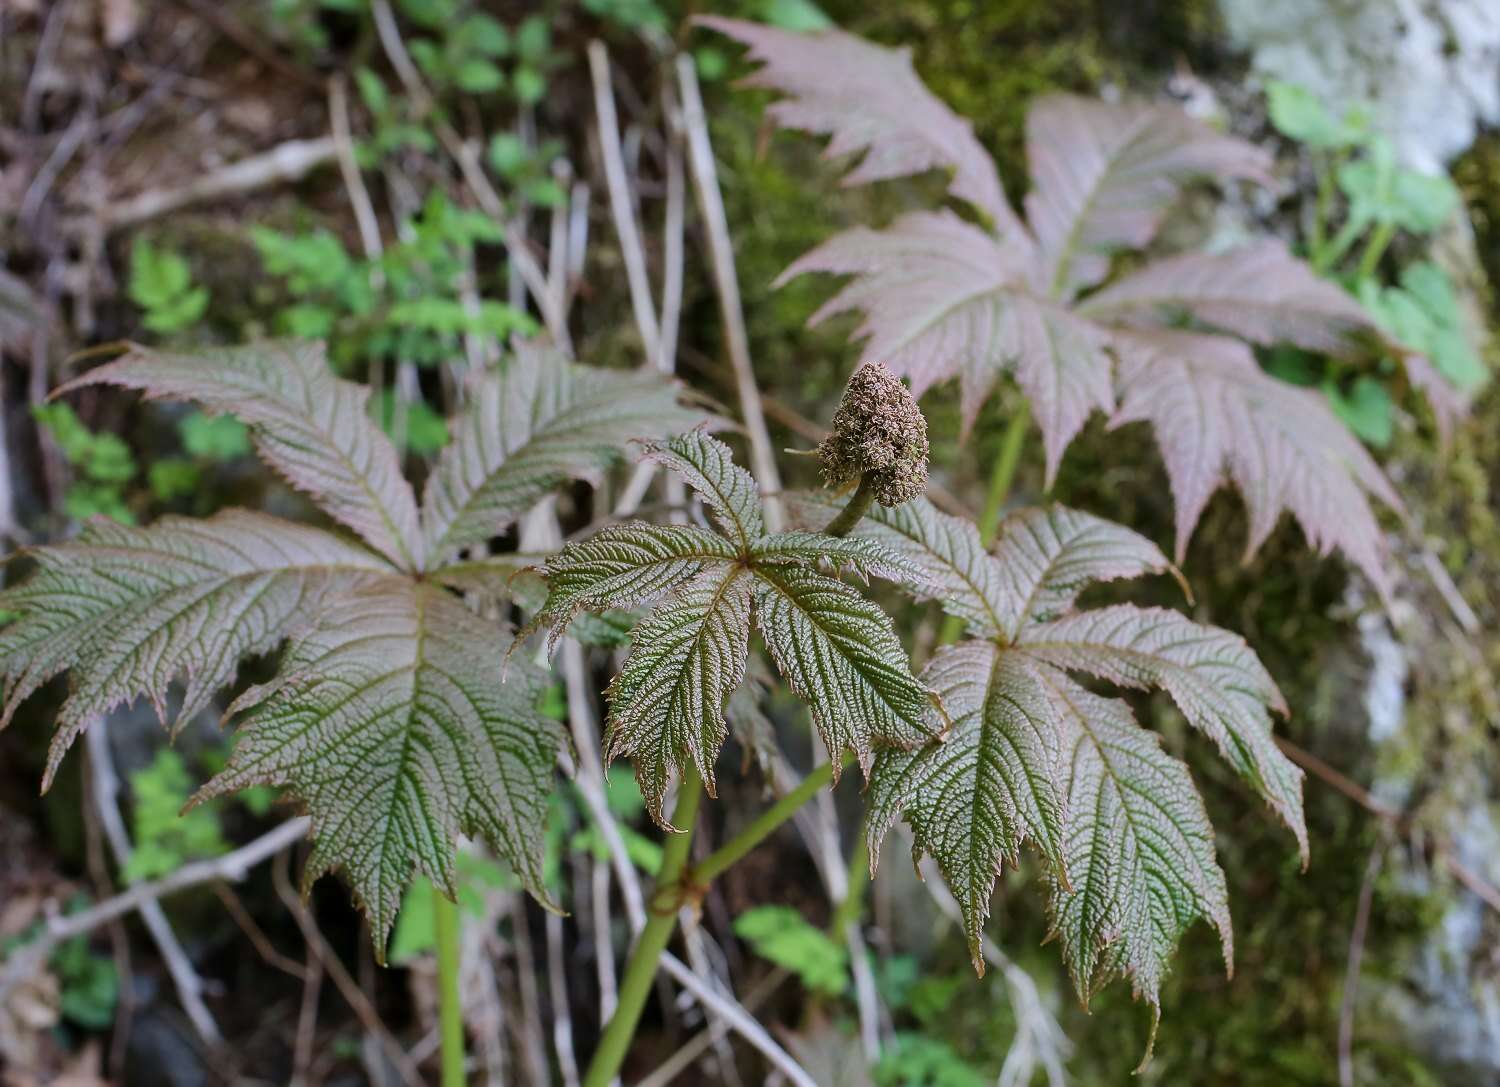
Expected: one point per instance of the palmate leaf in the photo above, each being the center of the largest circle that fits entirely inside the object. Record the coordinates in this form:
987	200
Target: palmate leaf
670	696
390	724
994	783
1103	176
1215	679
1220	418
130	610
393	719
868	99
943	298
1257	291
1034	757
841	656
1139	847
838	651
308	425
539	421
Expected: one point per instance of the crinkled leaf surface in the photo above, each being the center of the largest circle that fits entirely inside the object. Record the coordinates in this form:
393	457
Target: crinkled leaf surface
670	697
993	783
1033	756
131	610
538	421
308	425
840	654
621	566
728	490
391	724
1139	848
868	99
838	650
393	718
1214	677
942	298
1220	418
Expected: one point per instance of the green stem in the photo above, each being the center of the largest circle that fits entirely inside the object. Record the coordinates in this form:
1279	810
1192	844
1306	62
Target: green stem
713	866
858	505
445	924
640	970
1375	249
1335	250
1324	171
1002	476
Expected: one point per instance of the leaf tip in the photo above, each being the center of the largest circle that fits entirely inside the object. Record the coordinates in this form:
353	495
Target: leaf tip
1150	1038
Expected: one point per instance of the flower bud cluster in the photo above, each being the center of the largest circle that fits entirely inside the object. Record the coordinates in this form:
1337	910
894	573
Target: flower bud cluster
879	433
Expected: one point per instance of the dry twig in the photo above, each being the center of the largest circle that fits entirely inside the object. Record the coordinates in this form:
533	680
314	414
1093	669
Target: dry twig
726	279
290	161
105	785
349	989
1351	971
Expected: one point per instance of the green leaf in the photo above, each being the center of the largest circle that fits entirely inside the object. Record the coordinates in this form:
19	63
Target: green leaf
1299	115
131	610
1139	849
67	430
164	837
1366	408
83	501
865	557
161	284
917	1060
799	15
371	91
426	431
173	477
1033	756
544	192
480	77
433	14
530	85
781	935
308	425
840	654
414	933
90	985
631	14
708	467
156	275
666	706
1424	315
838	650
214	437
991	784
1379	191
1214	677
390	724
621	566
310	262
538	422
179	312
533	38
507	154
109	460
484	34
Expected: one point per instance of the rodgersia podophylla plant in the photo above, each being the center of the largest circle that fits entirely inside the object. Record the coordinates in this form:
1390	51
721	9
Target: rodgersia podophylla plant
402	713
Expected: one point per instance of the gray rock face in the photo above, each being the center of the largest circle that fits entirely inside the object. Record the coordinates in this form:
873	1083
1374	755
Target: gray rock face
1429	68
